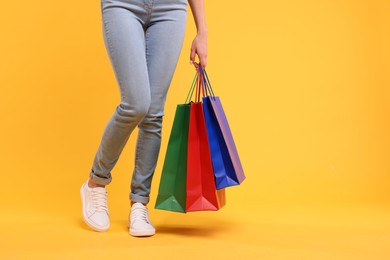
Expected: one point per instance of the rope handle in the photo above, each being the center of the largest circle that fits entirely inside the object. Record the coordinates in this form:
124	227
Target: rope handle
200	85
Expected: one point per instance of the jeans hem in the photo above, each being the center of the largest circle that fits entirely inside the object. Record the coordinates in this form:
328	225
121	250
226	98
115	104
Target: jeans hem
99	180
137	198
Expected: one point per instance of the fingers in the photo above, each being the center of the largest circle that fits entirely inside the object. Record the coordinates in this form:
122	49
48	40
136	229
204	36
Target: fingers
192	55
202	59
199	48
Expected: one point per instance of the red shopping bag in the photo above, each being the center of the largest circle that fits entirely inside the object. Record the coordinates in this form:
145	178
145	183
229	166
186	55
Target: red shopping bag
201	189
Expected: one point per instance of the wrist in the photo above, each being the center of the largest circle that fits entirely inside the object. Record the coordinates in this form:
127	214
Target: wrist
203	31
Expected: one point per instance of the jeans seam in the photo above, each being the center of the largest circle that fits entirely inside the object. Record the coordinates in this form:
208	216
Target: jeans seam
146	47
139	145
136	169
111	52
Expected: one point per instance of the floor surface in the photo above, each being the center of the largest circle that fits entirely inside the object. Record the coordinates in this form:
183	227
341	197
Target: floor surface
269	232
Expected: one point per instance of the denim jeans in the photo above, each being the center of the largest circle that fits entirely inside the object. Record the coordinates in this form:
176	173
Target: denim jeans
143	39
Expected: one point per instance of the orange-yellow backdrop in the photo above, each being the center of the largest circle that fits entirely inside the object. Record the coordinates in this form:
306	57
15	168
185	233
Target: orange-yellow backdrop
306	88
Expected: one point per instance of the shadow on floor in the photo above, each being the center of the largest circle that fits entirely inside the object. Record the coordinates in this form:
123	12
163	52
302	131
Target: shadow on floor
188	231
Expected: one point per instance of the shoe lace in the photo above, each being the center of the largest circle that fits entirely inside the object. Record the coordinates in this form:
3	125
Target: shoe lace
99	199
140	214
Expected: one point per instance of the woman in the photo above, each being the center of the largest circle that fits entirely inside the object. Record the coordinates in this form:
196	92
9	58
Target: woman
143	39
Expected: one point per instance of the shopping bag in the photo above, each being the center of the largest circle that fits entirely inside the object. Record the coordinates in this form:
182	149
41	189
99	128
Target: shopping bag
172	189
227	166
201	189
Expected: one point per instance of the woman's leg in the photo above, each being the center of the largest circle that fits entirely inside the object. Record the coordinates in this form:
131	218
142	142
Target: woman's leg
164	39
124	39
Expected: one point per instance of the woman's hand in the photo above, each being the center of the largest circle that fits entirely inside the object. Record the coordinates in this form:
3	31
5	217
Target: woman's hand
199	44
199	48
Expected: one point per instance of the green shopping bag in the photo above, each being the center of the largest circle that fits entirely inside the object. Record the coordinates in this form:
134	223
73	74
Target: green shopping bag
172	190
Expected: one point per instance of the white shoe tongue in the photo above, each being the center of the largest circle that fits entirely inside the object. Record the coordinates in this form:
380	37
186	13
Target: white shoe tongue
99	189
138	205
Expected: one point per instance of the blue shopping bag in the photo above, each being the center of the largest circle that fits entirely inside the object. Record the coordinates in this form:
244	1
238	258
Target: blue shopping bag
227	166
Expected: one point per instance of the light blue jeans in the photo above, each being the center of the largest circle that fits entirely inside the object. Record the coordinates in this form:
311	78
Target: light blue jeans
143	39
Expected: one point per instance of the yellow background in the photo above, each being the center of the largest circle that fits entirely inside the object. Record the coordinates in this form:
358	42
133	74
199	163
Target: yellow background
305	86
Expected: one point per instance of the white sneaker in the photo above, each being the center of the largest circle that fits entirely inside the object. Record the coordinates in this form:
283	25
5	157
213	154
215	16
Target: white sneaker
139	221
95	212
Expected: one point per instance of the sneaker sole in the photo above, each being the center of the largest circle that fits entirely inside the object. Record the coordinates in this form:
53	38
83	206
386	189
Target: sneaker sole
135	233
86	220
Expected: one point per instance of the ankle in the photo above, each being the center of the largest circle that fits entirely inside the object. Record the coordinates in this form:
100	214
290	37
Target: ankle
92	184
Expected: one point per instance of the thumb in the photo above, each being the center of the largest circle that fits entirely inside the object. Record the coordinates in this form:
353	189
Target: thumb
192	55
